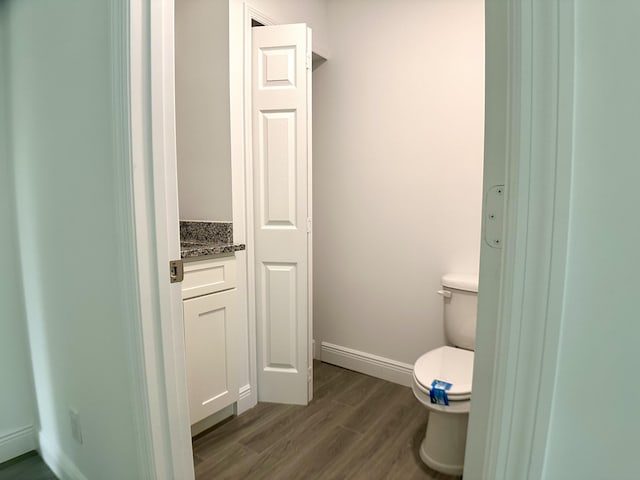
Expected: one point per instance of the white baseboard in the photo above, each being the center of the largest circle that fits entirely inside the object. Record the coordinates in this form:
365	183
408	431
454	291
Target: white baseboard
244	403
208	422
367	363
57	461
17	442
245	400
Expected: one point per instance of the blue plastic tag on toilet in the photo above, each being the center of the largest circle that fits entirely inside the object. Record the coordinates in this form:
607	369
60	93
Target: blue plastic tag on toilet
438	392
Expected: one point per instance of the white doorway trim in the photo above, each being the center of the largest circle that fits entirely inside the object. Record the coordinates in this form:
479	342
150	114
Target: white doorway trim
157	234
516	397
242	159
515	371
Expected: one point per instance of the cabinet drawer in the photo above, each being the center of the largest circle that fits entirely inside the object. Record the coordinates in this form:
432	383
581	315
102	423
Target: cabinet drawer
208	276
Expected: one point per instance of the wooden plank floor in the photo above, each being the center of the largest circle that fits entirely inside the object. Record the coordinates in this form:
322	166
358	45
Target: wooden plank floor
26	467
356	427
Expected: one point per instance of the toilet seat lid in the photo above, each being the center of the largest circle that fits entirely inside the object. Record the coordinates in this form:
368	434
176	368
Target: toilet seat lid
452	365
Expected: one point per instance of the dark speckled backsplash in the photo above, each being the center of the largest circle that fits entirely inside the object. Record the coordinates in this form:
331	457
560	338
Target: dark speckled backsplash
206	231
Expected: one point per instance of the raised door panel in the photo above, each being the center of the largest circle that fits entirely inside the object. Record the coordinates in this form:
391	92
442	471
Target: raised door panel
211	352
277	169
280	314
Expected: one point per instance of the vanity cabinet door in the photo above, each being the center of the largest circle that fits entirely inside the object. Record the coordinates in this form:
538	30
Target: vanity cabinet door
210	323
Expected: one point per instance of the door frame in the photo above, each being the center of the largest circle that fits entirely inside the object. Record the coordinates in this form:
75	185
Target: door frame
535	154
155	203
518	332
244	160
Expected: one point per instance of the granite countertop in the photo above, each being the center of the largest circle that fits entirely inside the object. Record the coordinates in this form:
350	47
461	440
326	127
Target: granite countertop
200	239
191	248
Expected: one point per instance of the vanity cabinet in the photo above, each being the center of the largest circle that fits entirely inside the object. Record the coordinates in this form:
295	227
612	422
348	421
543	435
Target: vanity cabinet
210	316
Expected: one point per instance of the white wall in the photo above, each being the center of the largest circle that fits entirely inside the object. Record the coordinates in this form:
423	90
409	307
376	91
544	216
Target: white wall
595	423
311	12
398	148
203	93
17	400
74	233
202	109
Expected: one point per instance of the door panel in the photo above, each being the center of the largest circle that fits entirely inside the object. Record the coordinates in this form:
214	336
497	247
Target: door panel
209	326
277	67
280	316
278	168
281	85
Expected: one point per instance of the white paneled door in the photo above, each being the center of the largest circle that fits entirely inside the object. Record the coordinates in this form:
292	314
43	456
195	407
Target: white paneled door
281	124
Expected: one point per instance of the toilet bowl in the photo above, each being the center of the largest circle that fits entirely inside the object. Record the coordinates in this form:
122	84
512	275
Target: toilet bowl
443	446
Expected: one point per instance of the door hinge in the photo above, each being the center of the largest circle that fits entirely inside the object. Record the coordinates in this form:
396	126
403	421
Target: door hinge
494	220
309	61
308	225
176	271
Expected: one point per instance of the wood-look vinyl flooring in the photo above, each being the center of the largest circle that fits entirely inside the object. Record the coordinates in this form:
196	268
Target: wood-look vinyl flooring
26	467
356	427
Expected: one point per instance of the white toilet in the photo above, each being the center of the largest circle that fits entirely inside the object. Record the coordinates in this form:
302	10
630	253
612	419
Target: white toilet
443	446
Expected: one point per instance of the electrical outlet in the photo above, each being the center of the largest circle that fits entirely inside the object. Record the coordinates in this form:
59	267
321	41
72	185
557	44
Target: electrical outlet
76	430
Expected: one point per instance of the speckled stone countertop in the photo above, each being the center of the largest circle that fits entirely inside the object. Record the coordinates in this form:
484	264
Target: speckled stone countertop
200	239
197	249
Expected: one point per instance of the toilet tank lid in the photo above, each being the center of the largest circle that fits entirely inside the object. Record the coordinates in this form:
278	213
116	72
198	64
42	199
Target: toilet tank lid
461	281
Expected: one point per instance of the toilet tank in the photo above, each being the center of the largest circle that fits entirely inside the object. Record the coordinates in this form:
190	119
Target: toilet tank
460	293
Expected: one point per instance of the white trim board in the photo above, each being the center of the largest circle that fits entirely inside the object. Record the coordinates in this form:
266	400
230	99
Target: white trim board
242	163
156	232
57	461
243	404
238	174
17	442
125	24
212	420
367	363
517	348
245	400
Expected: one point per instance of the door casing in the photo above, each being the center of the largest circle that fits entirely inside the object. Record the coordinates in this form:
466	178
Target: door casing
528	146
534	148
